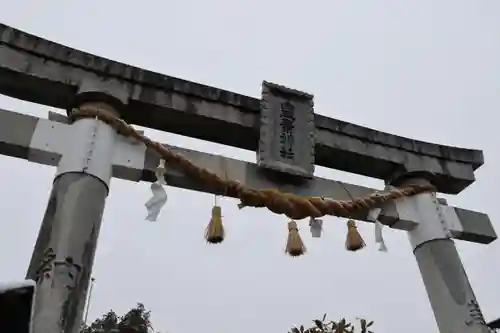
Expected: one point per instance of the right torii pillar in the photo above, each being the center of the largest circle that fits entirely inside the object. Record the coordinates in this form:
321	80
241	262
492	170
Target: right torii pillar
451	296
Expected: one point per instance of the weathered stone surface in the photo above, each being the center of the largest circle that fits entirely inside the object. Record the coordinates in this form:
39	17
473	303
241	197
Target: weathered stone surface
450	293
41	71
286	142
62	266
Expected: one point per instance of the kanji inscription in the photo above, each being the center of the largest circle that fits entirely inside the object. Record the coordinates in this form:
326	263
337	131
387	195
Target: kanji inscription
287	119
286	130
475	314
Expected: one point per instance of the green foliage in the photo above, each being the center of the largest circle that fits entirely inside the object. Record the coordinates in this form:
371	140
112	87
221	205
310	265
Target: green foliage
330	326
136	320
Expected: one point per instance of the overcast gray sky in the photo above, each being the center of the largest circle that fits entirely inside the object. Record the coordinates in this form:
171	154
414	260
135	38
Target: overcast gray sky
418	68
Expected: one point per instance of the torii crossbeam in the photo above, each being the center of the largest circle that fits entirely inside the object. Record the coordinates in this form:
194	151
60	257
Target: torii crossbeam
281	127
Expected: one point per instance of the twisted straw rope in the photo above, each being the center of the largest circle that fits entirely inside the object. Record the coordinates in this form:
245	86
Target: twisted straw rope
294	206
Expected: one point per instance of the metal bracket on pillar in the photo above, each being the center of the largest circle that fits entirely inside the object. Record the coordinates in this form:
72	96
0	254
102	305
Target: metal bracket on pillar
89	149
432	223
92	143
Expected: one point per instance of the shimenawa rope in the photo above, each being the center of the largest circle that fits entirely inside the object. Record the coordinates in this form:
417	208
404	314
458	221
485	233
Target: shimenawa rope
293	206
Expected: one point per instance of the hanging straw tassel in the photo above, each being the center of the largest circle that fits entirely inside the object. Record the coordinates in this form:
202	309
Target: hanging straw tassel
294	245
354	241
214	233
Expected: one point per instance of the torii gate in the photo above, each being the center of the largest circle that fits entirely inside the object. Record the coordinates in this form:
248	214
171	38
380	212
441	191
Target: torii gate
281	126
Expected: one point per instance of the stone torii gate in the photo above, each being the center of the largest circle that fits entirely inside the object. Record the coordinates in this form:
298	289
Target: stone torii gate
281	127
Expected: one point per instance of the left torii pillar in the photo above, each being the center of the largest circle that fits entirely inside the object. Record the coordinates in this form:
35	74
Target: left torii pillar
63	256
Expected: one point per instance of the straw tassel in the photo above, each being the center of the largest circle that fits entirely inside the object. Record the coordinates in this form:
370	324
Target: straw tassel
214	233
354	241
294	245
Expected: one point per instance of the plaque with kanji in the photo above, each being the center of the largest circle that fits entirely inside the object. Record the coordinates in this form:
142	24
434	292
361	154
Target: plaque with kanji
286	131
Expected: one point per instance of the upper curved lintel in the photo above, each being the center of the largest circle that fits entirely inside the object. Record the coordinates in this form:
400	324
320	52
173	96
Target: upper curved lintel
243	122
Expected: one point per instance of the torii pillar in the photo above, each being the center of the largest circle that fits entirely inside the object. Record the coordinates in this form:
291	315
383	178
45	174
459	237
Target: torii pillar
63	256
452	299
